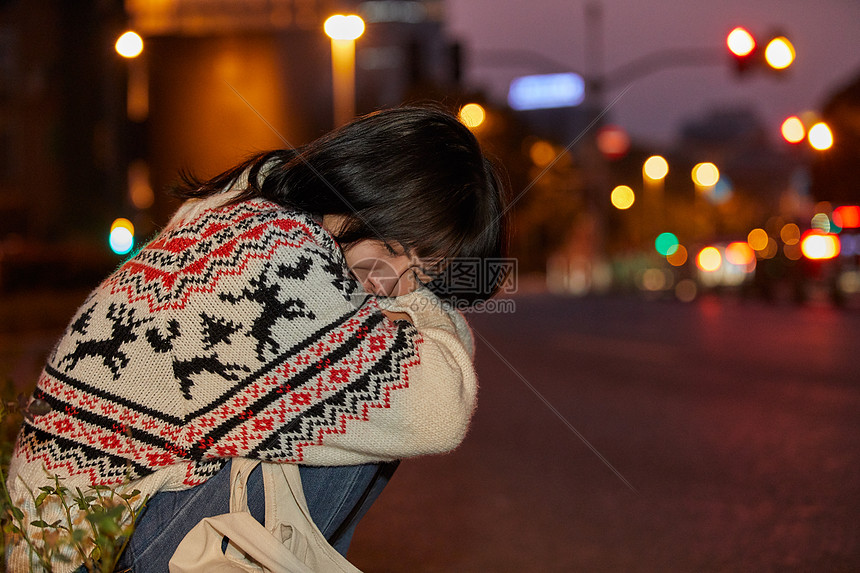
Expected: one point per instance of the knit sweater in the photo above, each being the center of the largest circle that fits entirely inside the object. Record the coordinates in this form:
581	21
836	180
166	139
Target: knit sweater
238	332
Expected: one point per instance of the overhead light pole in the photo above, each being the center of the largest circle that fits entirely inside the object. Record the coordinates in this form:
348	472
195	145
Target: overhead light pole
343	31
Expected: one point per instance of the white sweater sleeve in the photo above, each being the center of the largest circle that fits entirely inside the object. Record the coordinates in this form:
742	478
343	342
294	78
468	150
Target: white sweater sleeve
430	411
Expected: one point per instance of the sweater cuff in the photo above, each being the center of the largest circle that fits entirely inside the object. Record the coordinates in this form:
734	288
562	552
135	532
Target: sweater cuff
428	311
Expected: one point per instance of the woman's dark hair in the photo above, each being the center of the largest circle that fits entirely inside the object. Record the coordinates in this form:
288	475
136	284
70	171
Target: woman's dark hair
414	175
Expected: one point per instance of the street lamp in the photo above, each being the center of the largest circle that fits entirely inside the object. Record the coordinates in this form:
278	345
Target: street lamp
343	31
654	171
129	45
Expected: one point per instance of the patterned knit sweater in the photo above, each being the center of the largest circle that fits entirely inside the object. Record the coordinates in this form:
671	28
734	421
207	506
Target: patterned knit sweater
238	332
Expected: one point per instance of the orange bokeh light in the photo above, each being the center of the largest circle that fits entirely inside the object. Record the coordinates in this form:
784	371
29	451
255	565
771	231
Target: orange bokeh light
740	253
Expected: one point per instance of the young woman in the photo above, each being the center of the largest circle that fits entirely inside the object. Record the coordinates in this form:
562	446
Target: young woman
287	314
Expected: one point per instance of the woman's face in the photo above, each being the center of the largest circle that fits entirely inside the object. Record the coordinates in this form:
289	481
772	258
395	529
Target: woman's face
383	268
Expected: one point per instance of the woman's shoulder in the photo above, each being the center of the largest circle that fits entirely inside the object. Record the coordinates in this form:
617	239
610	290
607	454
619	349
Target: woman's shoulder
219	217
266	212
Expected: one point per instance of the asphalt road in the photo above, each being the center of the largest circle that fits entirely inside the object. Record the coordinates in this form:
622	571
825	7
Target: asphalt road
616	435
721	436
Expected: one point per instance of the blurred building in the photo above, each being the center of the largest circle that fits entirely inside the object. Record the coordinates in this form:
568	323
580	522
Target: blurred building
87	136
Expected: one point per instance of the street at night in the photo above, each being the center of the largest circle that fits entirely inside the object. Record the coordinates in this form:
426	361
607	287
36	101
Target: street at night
736	423
657	204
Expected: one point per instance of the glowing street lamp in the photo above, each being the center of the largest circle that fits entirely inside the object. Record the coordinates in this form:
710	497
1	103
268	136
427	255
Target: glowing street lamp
343	31
129	45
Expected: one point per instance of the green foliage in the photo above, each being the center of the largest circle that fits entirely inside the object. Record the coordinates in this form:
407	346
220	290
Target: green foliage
99	539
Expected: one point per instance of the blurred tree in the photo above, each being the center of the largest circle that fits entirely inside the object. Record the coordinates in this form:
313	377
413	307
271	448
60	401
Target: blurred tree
836	171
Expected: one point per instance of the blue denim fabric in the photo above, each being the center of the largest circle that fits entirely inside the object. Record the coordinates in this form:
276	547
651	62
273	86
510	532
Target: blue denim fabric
338	497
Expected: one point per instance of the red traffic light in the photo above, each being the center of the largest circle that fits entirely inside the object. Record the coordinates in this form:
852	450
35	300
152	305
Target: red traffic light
742	47
740	42
777	55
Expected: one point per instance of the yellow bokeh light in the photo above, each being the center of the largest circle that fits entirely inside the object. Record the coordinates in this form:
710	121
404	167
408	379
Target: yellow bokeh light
622	197
820	137
655	167
792	130
542	153
757	239
740	42
472	115
779	53
790	234
706	174
129	45
340	27
709	259
678	257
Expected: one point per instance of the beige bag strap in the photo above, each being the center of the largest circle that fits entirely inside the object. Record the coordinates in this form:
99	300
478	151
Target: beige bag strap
289	543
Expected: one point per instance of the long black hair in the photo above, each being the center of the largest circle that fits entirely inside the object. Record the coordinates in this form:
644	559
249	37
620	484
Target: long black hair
413	175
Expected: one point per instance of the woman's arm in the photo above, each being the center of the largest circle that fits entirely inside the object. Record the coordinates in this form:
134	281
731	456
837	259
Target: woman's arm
335	384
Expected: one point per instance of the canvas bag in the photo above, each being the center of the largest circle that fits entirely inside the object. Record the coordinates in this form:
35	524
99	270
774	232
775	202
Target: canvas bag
290	542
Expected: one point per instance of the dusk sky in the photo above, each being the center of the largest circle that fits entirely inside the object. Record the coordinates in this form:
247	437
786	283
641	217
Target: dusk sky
825	33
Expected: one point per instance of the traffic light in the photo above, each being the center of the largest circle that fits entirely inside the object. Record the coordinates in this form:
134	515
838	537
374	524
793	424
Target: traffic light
742	46
778	53
121	238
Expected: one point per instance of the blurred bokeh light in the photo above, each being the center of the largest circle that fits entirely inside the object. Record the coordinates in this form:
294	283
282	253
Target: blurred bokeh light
820	137
818	246
655	167
706	174
779	53
740	42
129	45
790	234
792	129
709	259
121	238
341	27
472	115
622	197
